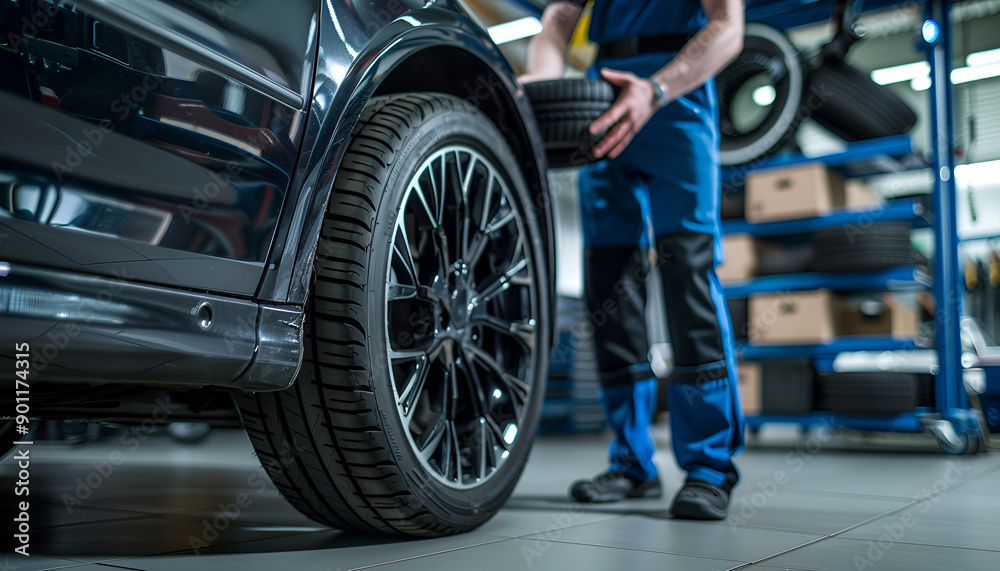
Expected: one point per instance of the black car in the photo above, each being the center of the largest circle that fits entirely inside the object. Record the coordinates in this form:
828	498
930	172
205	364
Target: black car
332	213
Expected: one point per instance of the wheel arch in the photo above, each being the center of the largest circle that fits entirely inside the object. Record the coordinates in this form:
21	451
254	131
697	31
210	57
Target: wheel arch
446	53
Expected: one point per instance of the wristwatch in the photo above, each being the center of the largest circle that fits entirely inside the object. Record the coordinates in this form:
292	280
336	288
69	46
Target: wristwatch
661	95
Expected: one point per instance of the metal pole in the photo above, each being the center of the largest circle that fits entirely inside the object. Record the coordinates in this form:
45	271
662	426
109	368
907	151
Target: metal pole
950	391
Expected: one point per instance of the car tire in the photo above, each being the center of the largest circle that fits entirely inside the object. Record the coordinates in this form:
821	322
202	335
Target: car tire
852	106
868	393
768	58
858	249
564	110
427	331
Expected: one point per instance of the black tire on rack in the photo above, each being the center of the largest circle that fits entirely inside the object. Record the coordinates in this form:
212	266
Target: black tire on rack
852	106
767	59
875	393
564	110
863	247
427	331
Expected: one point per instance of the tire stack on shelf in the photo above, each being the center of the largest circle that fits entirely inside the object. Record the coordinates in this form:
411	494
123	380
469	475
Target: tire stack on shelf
572	395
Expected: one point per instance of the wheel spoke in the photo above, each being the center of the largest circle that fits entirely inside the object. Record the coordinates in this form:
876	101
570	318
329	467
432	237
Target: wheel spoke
433	438
456	454
442	187
523	331
484	446
503	282
442	246
475	250
467	179
401	249
467	205
518	387
502	219
484	221
419	191
396	291
414	387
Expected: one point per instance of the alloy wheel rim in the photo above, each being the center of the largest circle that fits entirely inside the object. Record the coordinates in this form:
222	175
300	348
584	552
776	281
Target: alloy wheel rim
461	314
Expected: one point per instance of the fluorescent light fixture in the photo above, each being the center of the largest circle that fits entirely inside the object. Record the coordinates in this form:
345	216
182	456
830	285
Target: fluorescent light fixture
922	83
960	76
983	58
899	73
981	65
975	73
978	173
515	30
764	95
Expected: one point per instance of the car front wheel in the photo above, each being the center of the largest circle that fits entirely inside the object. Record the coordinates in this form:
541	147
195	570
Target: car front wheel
427	331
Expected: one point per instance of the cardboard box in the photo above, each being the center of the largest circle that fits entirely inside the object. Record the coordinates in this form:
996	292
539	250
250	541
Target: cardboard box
905	321
750	387
896	319
792	192
792	317
858	196
819	316
739	260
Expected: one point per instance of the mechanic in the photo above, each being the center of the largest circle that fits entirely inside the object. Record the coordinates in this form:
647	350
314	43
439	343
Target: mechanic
660	191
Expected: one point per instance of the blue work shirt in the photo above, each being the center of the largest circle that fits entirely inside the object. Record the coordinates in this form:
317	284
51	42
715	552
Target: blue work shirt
618	19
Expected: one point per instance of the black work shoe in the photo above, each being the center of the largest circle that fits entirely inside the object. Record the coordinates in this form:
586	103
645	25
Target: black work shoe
614	486
700	500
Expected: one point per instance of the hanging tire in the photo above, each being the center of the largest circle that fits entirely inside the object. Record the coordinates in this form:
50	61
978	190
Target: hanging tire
857	249
564	110
852	106
759	96
426	336
867	393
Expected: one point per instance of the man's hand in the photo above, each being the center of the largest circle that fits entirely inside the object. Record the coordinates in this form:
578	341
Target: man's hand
626	116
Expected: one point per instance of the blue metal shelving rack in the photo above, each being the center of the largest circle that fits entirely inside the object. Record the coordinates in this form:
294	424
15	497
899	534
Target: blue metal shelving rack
951	419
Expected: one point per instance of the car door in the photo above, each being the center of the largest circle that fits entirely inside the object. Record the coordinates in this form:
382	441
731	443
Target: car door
153	139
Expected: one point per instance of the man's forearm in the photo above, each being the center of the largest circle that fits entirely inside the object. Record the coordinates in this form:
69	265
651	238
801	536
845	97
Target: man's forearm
547	50
708	52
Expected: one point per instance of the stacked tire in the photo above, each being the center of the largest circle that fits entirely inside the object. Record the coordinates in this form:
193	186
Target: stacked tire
564	110
858	249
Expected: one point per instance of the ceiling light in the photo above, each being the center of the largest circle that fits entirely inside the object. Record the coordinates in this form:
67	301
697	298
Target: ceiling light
922	83
515	30
899	73
975	73
960	75
983	58
978	173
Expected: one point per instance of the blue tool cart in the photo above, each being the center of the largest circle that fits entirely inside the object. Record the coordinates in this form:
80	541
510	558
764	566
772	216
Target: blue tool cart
958	426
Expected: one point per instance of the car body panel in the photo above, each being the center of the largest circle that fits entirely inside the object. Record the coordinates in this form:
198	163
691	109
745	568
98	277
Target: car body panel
231	217
131	125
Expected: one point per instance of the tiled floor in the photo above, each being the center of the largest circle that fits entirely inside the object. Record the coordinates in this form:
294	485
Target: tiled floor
806	502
